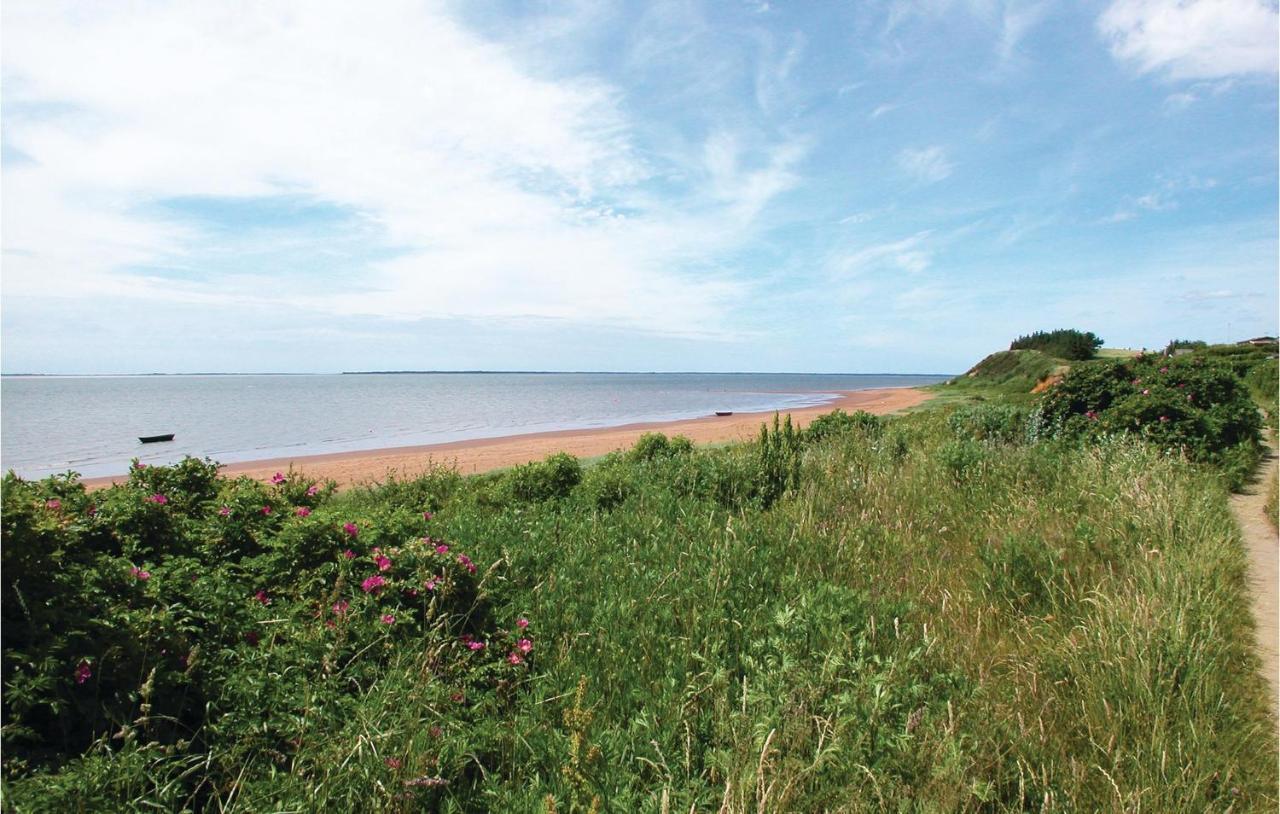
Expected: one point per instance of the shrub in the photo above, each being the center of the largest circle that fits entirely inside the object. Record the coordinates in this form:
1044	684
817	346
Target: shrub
838	422
778	460
549	479
607	484
654	445
1192	405
1184	344
1064	344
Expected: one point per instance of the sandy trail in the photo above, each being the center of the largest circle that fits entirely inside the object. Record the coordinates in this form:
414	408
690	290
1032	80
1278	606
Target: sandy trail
1262	541
371	466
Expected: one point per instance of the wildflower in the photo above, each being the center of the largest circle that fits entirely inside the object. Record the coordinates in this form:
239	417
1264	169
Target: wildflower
373	584
393	762
302	511
1091	415
83	673
1189	397
436	731
92	511
252	638
466	638
277	479
1146	392
139	574
313	489
522	623
1164	418
412	592
388	619
442	549
138	465
53	505
466	563
349	554
457	698
514	658
224	511
158	499
384	563
351	529
431	584
1164	370
475	646
426	515
524	645
262	597
266	510
340	607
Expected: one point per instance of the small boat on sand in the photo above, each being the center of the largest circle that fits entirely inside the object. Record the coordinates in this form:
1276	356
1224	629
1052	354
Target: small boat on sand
724	412
152	439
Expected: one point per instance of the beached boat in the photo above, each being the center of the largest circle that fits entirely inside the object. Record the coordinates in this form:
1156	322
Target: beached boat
724	412
151	439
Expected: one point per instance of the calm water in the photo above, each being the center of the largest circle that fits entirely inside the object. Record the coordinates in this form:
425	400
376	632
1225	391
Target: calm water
91	424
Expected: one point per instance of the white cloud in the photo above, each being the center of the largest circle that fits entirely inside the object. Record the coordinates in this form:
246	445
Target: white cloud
928	164
906	255
490	182
1194	39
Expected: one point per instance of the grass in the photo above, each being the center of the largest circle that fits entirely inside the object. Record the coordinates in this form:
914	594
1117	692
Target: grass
921	621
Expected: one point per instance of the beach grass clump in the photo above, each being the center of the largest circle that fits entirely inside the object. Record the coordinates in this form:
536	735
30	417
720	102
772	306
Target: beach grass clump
918	613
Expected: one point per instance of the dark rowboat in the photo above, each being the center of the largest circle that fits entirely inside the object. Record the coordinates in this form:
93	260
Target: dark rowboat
724	412
151	439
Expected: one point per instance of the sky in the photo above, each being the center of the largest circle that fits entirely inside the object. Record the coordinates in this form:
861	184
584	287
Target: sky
863	187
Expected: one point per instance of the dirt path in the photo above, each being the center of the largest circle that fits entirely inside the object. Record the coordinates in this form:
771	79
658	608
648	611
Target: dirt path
1261	540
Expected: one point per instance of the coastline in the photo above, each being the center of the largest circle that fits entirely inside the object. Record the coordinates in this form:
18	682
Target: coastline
485	454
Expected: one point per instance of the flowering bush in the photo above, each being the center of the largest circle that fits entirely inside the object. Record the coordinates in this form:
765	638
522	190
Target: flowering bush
176	621
1191	405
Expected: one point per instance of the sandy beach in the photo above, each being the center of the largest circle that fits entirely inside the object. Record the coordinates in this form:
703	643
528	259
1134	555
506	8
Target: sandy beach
481	455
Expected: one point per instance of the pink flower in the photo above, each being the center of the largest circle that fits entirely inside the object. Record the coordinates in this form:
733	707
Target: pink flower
351	529
302	511
388	619
265	510
373	584
158	499
524	645
92	511
436	731
442	549
313	489
53	504
522	623
277	478
393	762
1164	418
262	597
514	658
466	563
426	515
1091	415
139	574
1189	398
1146	392
349	554
139	465
475	645
457	698
340	607
1164	370
384	564
83	673
413	593
431	584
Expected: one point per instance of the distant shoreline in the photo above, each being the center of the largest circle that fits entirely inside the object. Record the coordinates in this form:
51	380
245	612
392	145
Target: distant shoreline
460	373
485	454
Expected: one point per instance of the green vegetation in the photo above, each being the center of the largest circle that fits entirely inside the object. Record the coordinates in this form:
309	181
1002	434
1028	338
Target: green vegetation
988	607
1184	344
1007	373
1065	343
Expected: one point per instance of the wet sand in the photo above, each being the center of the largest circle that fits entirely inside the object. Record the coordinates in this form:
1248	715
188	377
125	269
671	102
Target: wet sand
481	455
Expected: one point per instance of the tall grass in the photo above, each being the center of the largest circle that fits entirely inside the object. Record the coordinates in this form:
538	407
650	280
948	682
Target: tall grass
906	617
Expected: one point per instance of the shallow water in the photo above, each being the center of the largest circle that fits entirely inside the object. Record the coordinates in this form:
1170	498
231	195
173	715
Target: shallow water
91	424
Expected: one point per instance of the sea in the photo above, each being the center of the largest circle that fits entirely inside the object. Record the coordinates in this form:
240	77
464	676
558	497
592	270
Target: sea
91	424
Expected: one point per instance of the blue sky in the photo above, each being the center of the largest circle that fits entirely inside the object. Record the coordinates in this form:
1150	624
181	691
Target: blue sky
816	187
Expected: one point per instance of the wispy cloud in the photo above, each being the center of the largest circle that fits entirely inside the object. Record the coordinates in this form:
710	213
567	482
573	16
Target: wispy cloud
503	194
1194	39
928	164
